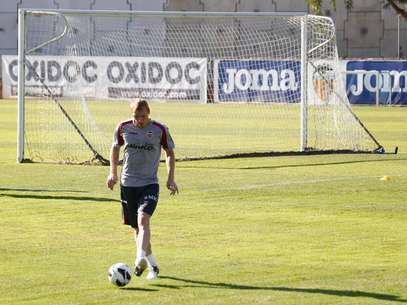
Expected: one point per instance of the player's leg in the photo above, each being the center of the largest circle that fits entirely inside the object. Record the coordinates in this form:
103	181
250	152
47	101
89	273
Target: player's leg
150	259
143	240
151	262
128	196
131	198
136	241
146	210
152	267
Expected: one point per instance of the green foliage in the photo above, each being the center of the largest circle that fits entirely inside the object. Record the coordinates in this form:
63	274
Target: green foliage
316	5
308	230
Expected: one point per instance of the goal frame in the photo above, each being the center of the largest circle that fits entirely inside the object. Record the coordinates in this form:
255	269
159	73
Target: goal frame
303	57
22	53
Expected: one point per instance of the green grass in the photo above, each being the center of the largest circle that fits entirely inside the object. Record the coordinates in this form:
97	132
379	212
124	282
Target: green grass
283	230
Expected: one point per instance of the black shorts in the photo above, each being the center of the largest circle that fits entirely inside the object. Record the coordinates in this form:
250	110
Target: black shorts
135	199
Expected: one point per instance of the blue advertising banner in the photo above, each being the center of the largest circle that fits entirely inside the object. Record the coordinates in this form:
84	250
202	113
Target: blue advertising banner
368	80
257	81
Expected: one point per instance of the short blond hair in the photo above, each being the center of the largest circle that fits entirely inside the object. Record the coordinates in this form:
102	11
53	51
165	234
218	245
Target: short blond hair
140	104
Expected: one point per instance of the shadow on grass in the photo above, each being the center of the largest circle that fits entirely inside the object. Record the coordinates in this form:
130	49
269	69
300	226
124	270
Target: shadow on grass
40	190
168	286
57	197
138	289
294	165
333	292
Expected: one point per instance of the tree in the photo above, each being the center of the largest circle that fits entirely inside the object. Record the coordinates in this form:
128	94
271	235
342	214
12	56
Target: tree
397	8
316	5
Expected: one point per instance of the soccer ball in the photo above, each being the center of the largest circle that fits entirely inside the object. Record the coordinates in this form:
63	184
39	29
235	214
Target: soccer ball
119	274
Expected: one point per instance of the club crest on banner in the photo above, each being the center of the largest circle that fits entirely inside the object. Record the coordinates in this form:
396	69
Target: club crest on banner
323	78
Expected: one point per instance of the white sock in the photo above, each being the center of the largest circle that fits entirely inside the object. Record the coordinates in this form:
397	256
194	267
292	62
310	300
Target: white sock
140	255
151	260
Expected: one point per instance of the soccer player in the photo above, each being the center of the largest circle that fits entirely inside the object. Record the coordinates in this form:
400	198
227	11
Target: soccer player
142	139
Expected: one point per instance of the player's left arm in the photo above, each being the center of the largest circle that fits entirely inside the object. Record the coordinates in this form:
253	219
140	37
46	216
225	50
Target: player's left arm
170	163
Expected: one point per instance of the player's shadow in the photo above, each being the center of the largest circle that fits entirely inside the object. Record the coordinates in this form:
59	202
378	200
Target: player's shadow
332	292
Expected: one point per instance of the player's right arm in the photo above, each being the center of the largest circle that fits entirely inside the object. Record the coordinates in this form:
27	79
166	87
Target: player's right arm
114	157
114	161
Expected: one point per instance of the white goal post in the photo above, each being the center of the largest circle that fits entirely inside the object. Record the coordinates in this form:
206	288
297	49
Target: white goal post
226	83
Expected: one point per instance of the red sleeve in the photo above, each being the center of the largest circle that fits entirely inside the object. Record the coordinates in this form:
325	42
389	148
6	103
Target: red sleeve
118	135
164	142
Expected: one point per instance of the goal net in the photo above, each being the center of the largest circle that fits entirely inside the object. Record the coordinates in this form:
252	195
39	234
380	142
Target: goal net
225	84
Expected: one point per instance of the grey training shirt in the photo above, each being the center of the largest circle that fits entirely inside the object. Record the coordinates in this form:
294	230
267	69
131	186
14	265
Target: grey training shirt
142	151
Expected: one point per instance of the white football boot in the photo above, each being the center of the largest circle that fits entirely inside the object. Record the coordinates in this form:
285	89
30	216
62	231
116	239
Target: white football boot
153	273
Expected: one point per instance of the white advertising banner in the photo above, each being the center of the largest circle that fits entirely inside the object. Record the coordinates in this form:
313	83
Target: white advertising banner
110	77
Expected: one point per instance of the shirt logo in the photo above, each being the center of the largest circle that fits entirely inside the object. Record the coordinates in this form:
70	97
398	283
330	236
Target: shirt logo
145	146
149	134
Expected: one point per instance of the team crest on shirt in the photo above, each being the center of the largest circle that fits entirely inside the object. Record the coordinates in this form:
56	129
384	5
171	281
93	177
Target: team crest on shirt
149	134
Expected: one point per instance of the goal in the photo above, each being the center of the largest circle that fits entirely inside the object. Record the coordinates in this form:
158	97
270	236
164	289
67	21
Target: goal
226	84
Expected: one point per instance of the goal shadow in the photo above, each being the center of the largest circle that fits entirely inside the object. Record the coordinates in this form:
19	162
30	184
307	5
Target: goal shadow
41	190
58	197
327	163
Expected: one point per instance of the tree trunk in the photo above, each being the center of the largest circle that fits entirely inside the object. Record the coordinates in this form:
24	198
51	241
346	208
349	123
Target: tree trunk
398	9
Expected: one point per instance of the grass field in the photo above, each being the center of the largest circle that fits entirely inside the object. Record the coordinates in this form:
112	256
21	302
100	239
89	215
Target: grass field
283	230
